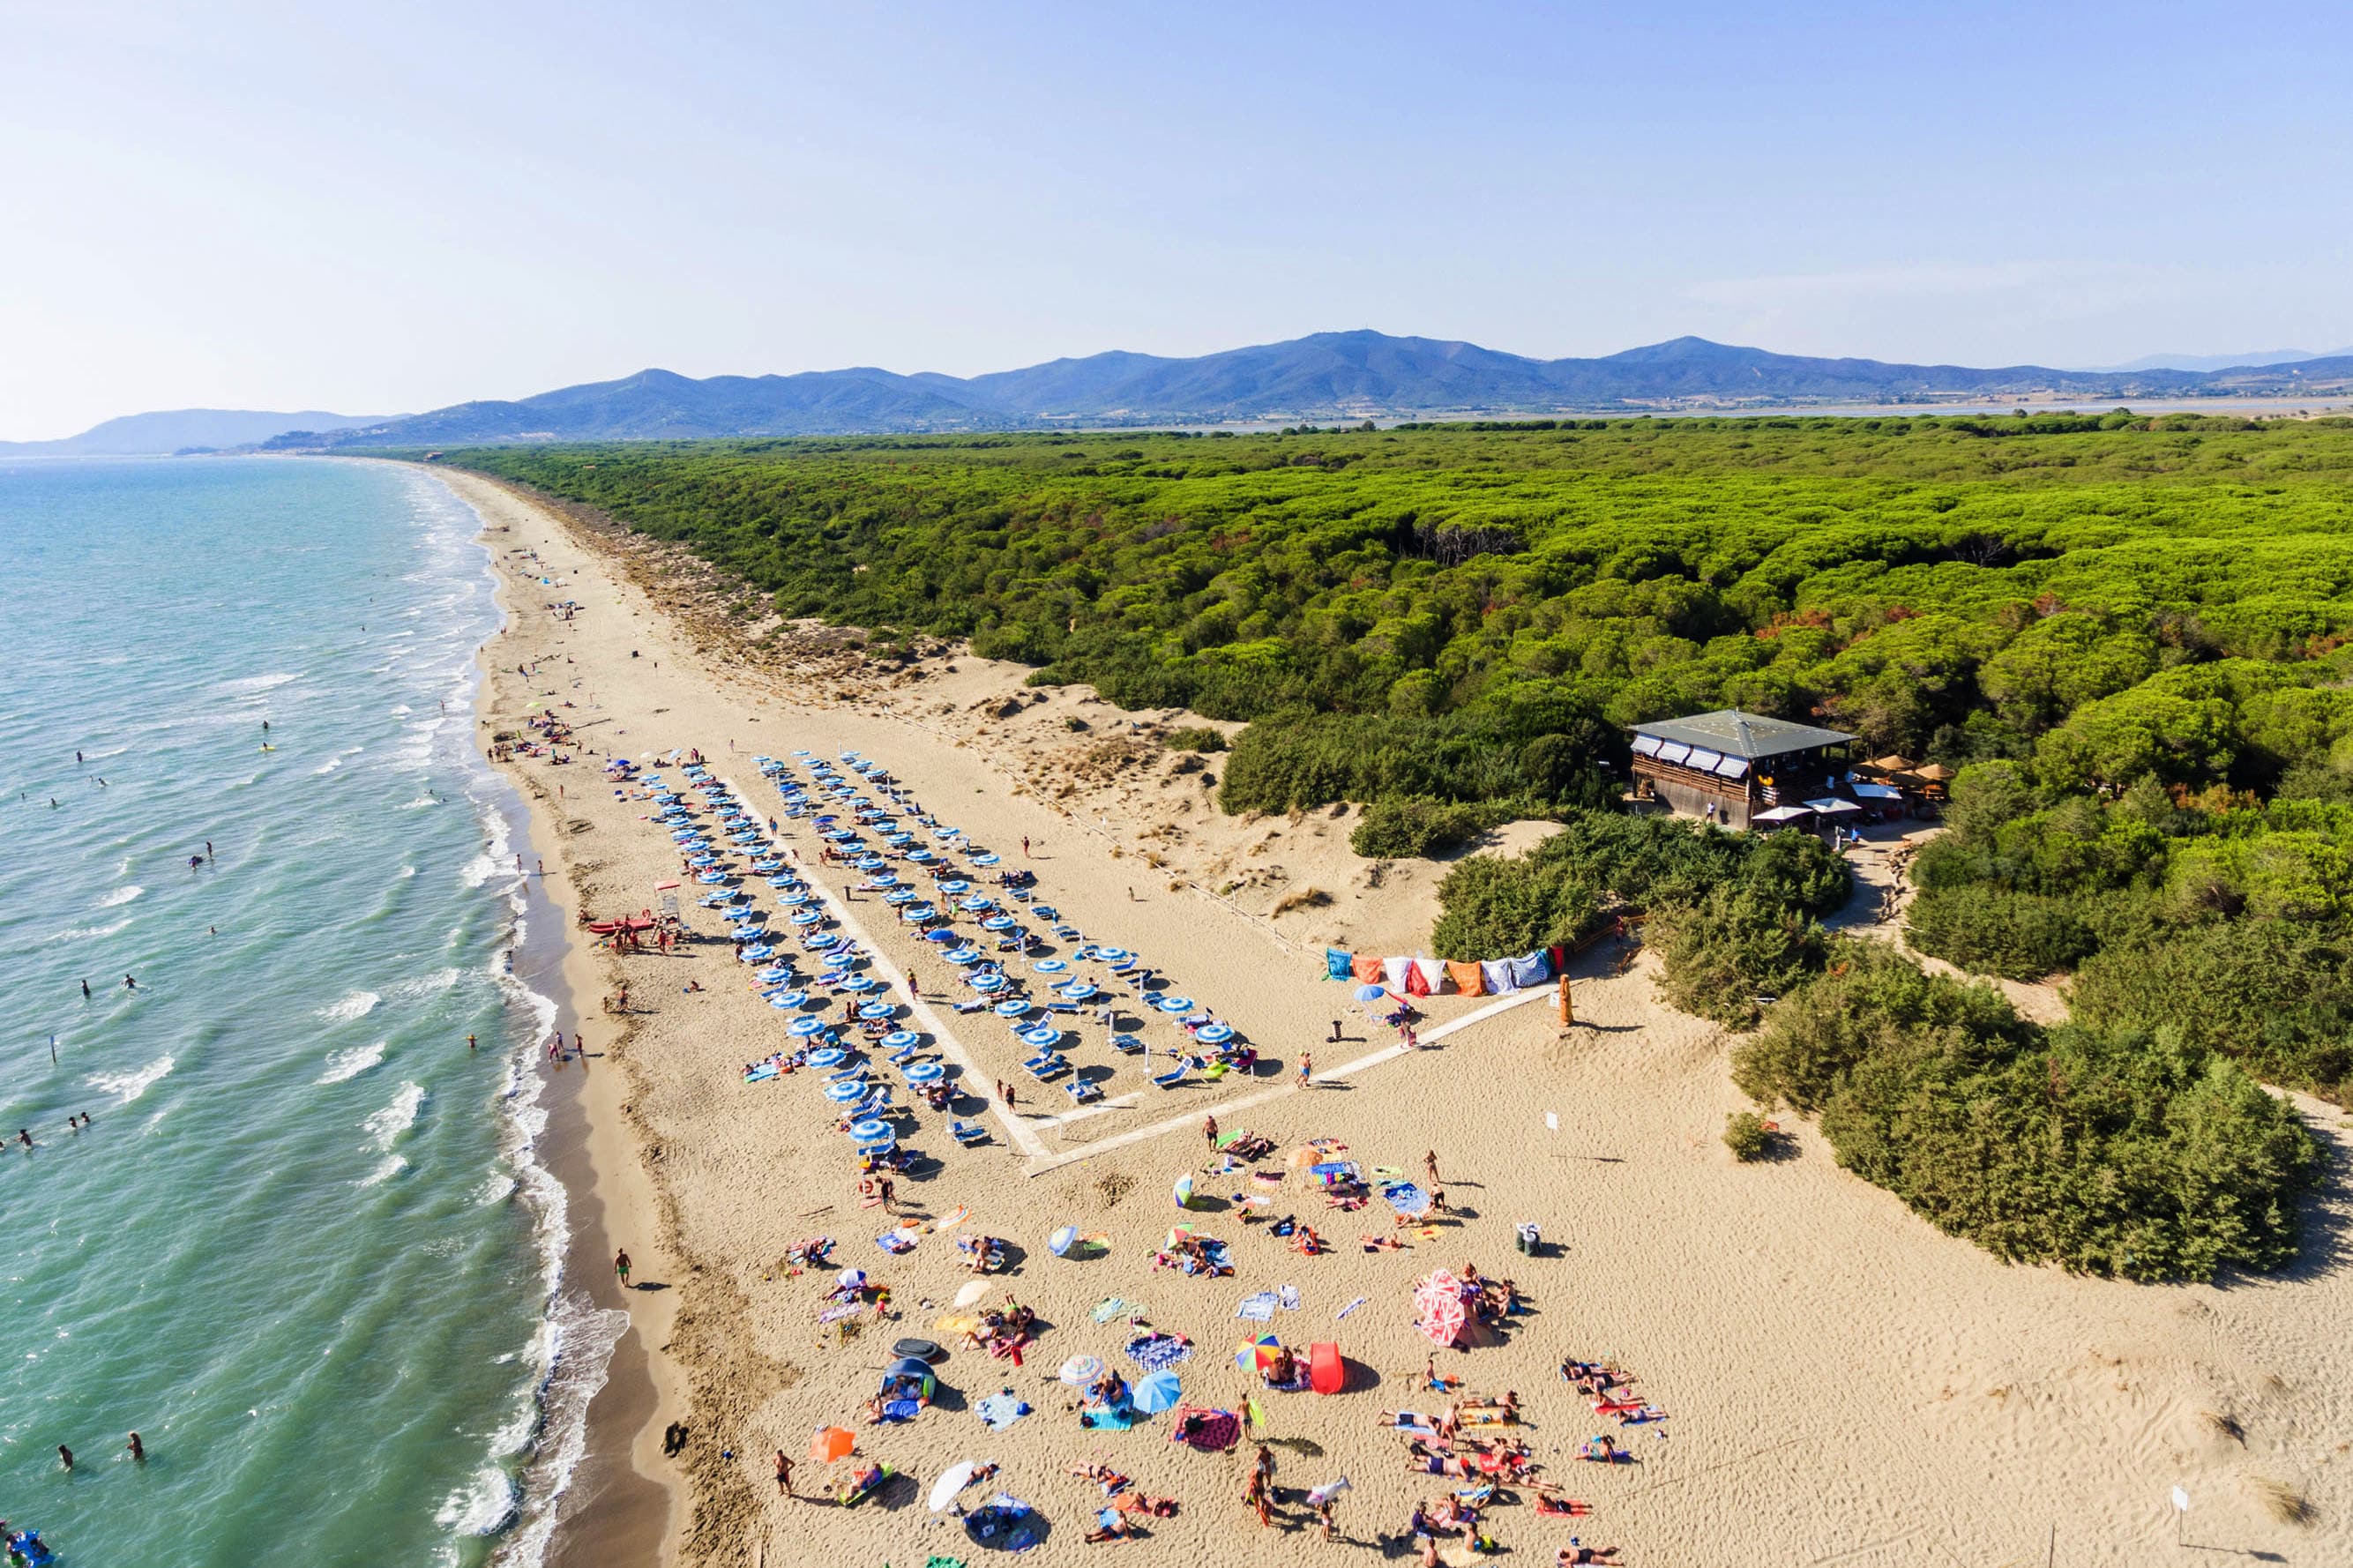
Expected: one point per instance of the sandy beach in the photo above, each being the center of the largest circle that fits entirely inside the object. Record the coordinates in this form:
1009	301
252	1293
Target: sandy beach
1838	1382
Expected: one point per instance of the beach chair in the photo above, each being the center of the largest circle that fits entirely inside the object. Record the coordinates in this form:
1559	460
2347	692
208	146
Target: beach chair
1127	1045
1051	1069
1071	1007
975	1006
1081	1090
1175	1075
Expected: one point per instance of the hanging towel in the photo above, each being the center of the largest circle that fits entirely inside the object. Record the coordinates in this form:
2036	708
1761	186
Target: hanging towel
1559	956
1531	969
1467	979
1433	975
1335	963
1417	980
1394	970
1363	968
1497	973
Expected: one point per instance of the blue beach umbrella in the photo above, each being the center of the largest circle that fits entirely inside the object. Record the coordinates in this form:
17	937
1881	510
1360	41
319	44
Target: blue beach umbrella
877	1010
827	1056
898	1039
848	1092
1156	1393
802	1029
961	954
1049	966
926	1072
1214	1034
1011	1009
788	1000
1370	993
1175	1003
990	983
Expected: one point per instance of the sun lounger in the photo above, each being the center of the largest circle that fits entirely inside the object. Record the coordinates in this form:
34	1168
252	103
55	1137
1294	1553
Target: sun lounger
968	1133
1081	1090
1127	1045
975	1006
1175	1075
1052	1067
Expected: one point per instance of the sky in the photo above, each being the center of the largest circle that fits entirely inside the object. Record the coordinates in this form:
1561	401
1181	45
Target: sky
384	209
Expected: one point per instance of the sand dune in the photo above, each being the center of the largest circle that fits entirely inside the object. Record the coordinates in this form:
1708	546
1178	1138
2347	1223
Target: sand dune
1842	1384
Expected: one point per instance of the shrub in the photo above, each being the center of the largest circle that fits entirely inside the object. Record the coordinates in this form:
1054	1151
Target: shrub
1402	826
2019	936
1726	956
1495	906
1199	738
1745	1135
2276	997
2141	1157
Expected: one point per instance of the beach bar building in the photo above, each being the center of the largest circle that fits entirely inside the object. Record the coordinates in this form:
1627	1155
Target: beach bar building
1739	768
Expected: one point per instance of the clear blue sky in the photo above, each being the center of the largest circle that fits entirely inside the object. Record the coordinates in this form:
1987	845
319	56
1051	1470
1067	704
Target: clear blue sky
379	208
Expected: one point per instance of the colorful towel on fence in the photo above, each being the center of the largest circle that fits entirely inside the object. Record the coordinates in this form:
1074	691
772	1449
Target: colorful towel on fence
1531	969
1496	973
1002	1410
1350	1308
1259	1307
1107	1308
1467	976
1213	1433
1155	1352
1394	971
1432	973
1289	1296
1366	967
1335	963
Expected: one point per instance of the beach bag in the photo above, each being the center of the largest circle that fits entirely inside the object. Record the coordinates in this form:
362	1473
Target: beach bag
1531	969
1394	970
1467	979
1366	969
1497	973
1417	980
1433	976
1335	963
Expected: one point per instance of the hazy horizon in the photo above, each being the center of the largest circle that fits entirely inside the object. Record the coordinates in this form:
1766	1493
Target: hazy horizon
420	206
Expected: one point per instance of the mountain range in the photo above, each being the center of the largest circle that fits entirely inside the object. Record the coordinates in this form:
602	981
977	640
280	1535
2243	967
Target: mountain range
184	430
1323	377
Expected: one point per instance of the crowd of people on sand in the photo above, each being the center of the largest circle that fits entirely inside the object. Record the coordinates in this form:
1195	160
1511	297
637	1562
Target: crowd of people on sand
1475	1443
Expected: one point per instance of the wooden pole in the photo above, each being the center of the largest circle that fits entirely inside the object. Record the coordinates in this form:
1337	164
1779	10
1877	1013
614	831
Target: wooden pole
1568	1011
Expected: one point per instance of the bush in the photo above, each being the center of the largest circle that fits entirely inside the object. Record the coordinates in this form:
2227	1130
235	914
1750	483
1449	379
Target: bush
1745	1135
2018	936
1200	739
1497	907
2276	997
2140	1156
1403	827
1726	956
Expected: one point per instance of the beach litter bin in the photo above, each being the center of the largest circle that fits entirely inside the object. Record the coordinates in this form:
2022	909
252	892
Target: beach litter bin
1529	1239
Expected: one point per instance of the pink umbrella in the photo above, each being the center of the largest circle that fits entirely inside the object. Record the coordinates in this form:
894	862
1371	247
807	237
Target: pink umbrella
1442	1320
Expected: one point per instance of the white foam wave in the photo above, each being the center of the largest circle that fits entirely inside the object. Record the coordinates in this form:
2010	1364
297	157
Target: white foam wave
259	682
83	933
358	1004
481	1507
121	896
127	1086
330	765
344	1066
391	1166
496	1189
431	985
384	1126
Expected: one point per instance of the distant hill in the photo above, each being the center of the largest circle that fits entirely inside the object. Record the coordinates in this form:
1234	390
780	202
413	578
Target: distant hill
180	430
2227	362
1326	376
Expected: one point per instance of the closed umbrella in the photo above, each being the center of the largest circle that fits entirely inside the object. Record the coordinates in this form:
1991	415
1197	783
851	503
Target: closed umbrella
1158	1393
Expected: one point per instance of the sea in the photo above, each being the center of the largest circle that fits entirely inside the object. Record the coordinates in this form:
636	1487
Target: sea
304	1245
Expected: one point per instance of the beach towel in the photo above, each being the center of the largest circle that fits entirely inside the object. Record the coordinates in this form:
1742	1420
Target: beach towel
1495	974
1405	1198
1157	1351
1416	981
1467	979
1395	971
1335	963
1002	1410
1365	968
1109	1418
1531	969
895	1242
1433	974
1107	1308
901	1410
1289	1295
1213	1432
1257	1308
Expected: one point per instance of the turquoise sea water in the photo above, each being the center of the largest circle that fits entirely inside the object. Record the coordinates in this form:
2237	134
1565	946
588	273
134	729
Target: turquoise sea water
303	1247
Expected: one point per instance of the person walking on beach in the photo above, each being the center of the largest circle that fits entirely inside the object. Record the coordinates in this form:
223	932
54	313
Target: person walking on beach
621	1268
1429	1164
1025	847
1209	1131
1306	1066
784	1475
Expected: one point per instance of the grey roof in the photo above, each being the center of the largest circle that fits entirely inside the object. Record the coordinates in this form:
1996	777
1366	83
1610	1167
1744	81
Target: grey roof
1738	734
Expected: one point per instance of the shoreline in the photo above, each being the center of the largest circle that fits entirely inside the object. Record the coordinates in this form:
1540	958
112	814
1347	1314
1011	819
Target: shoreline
611	1507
